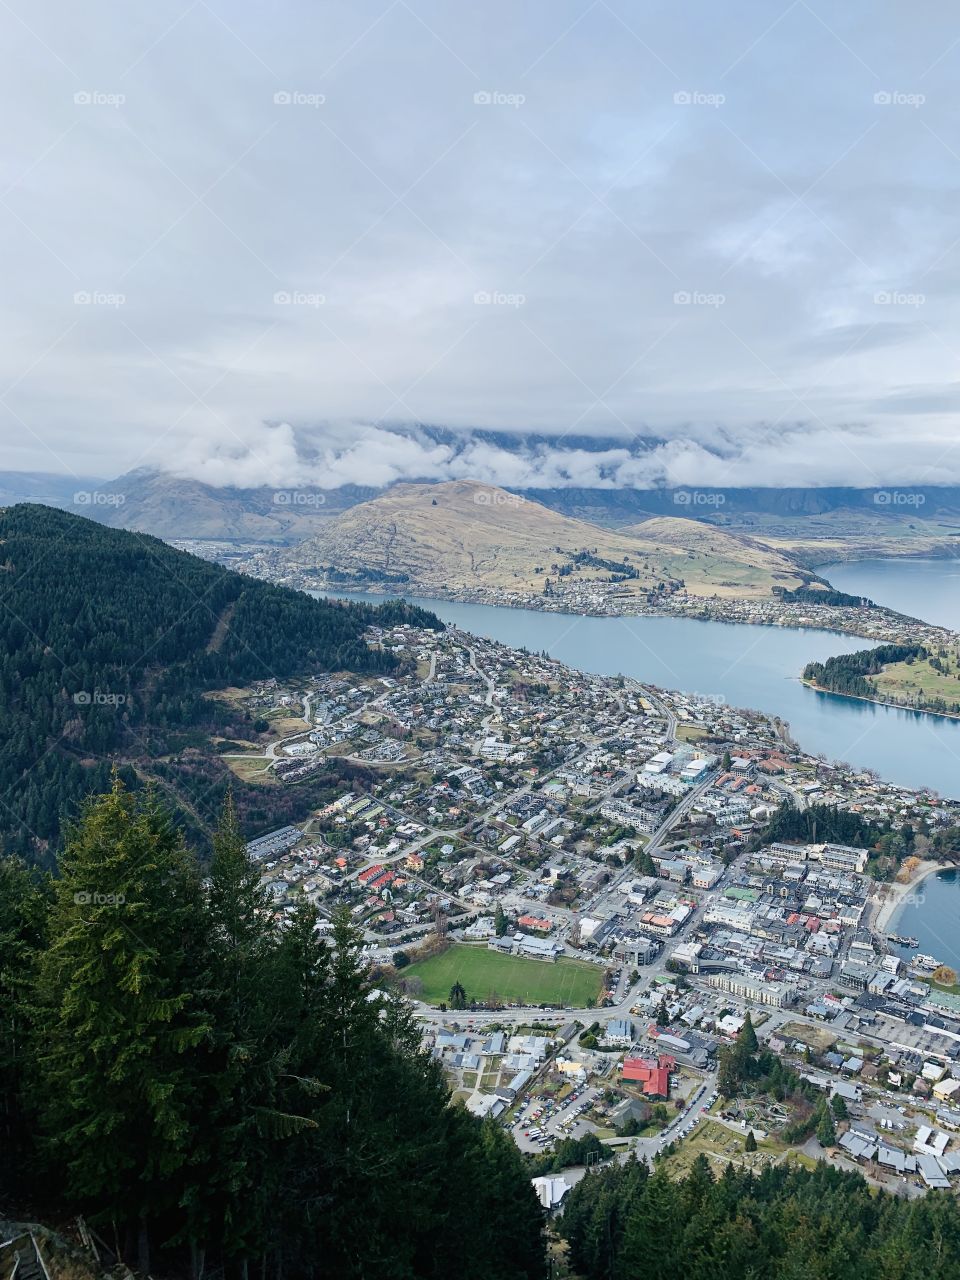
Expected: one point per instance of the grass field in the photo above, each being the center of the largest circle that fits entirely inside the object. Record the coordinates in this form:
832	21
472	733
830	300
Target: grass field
920	682
482	972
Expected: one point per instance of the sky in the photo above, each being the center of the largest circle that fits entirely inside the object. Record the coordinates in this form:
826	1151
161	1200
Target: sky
257	244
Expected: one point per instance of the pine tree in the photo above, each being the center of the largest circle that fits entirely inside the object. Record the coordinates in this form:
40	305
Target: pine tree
499	921
237	1151
826	1130
751	1142
748	1036
118	1020
24	902
839	1107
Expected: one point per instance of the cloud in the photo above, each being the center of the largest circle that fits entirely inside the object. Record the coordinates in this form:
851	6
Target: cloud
238	249
779	455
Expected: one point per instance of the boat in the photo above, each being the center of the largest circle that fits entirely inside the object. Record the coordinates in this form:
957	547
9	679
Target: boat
926	962
903	942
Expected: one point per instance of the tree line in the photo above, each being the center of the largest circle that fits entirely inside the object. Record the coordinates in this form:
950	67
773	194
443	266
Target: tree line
217	1091
847	672
785	1223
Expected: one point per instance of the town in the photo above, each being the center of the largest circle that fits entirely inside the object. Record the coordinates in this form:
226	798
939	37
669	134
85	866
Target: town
569	879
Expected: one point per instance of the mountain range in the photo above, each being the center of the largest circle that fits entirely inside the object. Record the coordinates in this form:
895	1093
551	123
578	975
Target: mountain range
461	535
891	520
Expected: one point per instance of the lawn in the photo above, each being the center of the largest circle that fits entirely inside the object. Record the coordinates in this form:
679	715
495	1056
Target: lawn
482	972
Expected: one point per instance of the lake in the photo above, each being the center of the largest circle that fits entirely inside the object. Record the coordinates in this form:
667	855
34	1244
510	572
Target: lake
747	666
927	589
930	915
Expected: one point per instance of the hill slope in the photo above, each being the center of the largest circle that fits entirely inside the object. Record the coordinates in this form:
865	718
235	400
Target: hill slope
153	502
464	535
109	639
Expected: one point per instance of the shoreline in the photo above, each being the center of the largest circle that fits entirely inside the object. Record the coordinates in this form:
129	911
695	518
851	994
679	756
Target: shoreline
898	890
880	702
709	611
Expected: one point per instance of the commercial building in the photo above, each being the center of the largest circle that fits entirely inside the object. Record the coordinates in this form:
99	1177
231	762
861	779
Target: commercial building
759	990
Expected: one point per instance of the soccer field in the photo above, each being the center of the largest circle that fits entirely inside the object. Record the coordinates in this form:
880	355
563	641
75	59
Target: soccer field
482	972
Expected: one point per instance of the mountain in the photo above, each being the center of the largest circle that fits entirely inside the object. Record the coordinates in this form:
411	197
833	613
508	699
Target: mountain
464	535
44	486
169	507
173	508
108	643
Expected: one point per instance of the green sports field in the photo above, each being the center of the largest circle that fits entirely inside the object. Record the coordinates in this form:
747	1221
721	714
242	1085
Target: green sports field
482	972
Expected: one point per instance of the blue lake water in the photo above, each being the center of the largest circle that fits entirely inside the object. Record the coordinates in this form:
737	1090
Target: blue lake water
931	915
748	666
927	589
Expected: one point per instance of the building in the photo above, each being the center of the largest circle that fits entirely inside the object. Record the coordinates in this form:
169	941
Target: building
759	990
652	1074
550	1192
637	952
705	877
687	954
536	923
839	857
274	842
619	1031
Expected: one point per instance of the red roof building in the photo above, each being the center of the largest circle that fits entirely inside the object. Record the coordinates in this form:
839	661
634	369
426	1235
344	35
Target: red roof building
652	1074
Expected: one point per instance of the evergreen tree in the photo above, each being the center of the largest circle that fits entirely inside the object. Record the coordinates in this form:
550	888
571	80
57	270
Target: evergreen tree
24	900
751	1142
826	1130
246	1125
747	1036
839	1107
118	1019
499	921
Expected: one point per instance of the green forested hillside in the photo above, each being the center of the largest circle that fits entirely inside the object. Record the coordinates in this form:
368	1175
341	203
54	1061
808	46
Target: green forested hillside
221	1096
783	1224
108	640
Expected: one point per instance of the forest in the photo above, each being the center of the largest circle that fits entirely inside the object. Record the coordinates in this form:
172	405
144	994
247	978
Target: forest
847	672
822	823
823	595
221	1096
786	1223
109	639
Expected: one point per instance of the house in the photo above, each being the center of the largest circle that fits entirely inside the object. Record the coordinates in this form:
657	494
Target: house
632	1109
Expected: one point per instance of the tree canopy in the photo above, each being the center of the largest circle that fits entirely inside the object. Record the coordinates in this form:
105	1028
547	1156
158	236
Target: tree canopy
218	1088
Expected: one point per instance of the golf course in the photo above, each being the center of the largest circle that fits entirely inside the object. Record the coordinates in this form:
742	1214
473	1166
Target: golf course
484	973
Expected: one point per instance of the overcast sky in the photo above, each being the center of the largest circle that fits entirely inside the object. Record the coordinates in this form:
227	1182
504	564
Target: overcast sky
240	236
